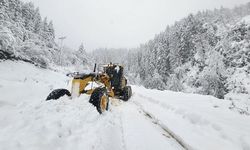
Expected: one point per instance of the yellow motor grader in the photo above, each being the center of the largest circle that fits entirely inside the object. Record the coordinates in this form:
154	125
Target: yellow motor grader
108	81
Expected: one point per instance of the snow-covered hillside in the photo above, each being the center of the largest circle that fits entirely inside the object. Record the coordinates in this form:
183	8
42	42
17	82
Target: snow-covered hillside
151	119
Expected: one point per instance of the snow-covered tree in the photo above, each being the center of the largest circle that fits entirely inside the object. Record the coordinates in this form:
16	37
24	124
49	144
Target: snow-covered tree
28	15
37	22
4	8
82	55
7	40
213	77
51	31
155	82
45	29
174	83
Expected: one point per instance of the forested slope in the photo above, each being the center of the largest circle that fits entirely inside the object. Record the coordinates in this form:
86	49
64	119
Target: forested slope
207	53
25	35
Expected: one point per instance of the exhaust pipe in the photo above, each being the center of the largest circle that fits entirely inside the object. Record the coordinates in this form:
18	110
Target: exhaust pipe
95	67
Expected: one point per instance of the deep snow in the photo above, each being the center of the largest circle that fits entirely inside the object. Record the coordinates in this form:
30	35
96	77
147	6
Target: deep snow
147	121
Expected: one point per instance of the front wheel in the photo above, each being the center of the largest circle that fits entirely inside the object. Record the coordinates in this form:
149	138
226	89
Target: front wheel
56	94
100	99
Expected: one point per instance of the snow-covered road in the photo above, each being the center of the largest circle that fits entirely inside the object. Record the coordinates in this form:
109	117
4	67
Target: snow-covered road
151	119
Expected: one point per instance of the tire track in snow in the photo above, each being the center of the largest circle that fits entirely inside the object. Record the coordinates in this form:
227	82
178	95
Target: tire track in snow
161	104
140	133
111	134
118	115
122	132
177	138
189	117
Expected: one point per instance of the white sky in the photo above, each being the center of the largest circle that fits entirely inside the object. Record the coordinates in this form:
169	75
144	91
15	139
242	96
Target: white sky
118	23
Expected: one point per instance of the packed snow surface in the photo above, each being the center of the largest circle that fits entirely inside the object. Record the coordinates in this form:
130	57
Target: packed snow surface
151	119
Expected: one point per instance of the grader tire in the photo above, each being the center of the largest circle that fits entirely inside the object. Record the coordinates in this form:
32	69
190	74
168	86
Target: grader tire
99	98
56	94
127	93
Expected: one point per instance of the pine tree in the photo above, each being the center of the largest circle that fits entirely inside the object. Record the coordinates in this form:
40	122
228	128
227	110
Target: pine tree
175	57
37	22
163	63
4	6
45	29
28	12
213	76
51	31
82	55
155	82
174	83
15	11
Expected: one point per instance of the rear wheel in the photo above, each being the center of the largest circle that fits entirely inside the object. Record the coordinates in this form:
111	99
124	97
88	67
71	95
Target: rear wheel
127	93
56	94
100	99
